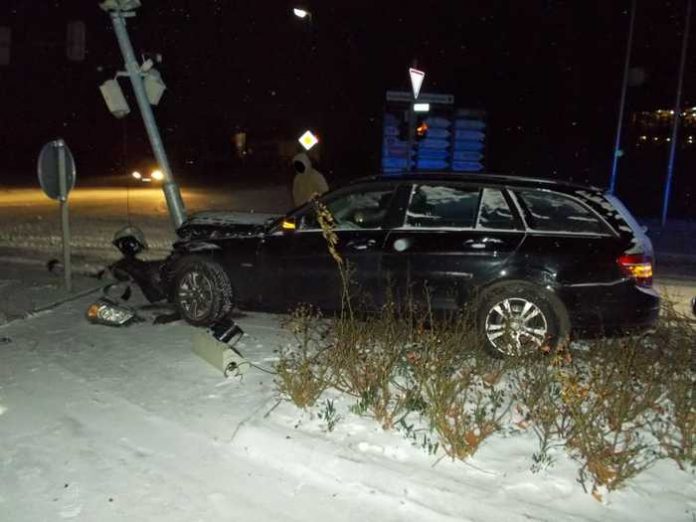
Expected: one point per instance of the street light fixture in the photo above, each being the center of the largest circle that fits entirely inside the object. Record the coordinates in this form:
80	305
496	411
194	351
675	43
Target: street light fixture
120	5
301	13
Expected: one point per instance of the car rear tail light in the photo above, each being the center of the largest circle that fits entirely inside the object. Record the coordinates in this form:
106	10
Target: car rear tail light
638	267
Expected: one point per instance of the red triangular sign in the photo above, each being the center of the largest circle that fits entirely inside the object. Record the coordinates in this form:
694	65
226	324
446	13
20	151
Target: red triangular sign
416	80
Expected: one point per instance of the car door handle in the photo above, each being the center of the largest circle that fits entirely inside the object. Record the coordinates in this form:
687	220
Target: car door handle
361	244
482	243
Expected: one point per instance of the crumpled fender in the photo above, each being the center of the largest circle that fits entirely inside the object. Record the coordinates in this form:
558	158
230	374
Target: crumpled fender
195	246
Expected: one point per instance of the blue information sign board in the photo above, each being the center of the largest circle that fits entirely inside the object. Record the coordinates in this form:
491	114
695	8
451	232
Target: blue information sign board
443	139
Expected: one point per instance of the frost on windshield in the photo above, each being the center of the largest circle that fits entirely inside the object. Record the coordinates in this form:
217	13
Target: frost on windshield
553	212
442	206
495	212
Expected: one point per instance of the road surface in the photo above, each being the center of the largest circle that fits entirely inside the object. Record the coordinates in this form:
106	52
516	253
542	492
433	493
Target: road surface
29	221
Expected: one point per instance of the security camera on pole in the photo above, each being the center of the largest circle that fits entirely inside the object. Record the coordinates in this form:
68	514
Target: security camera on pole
148	87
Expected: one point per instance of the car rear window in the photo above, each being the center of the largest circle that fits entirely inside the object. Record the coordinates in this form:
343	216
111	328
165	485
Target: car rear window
495	212
553	212
438	206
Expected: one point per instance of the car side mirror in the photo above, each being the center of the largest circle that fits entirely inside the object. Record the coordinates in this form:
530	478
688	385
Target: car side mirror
289	224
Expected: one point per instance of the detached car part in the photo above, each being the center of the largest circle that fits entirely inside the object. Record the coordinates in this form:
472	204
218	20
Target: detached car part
109	313
130	241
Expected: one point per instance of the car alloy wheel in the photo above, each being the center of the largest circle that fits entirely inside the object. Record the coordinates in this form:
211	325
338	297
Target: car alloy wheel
195	295
516	326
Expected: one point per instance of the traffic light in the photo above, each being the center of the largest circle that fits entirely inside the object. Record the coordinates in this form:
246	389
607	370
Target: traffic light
421	128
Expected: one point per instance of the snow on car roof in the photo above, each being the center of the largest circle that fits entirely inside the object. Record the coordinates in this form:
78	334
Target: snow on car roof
493	179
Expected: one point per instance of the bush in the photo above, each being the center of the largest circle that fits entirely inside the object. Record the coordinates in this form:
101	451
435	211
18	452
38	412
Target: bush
302	375
617	406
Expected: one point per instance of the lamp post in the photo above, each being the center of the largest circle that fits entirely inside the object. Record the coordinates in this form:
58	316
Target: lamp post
622	103
119	10
677	116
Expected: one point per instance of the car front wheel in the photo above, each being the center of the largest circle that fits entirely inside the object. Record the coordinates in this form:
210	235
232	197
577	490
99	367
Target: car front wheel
518	318
202	291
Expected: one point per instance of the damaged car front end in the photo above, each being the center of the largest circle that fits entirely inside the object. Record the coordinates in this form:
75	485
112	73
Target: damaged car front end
192	277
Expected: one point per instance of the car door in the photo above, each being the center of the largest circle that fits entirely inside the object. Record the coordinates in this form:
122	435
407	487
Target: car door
571	241
454	237
304	268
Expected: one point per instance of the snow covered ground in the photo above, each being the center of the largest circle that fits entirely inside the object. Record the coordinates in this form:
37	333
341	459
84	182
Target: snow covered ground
128	424
30	225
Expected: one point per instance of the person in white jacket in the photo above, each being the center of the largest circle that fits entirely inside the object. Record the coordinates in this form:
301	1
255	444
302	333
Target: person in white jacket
308	181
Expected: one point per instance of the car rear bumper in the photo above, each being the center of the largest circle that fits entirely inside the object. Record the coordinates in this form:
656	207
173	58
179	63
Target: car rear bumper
611	308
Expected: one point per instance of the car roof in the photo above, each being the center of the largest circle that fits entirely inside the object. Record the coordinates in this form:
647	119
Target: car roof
489	179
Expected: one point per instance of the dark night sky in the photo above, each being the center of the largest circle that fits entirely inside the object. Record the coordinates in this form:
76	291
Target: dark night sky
548	72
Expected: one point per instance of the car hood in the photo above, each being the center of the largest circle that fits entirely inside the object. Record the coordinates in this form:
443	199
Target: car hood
222	223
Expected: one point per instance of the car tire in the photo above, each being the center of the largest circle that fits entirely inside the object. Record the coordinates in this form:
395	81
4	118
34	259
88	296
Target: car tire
516	318
202	291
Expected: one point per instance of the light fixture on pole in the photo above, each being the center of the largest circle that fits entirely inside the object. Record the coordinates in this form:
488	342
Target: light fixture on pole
301	13
114	98
120	5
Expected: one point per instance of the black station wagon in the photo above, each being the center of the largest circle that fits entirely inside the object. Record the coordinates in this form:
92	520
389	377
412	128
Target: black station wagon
542	257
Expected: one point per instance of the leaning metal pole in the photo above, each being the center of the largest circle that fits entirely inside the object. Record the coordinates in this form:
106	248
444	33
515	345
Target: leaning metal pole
677	116
622	103
172	193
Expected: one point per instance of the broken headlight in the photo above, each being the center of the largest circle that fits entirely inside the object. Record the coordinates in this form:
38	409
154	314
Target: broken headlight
106	312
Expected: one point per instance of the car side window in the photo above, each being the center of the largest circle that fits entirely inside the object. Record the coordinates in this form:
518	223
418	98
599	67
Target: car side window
553	212
495	212
437	206
364	209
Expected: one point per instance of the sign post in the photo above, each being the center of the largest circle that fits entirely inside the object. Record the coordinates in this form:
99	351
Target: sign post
56	169
417	78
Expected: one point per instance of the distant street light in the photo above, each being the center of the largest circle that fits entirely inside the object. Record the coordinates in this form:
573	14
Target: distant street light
301	13
137	175
157	175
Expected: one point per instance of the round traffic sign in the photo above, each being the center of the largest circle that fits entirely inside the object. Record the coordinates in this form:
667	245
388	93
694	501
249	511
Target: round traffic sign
49	169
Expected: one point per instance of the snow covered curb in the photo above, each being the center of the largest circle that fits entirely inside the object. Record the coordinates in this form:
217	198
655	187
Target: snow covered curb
496	484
